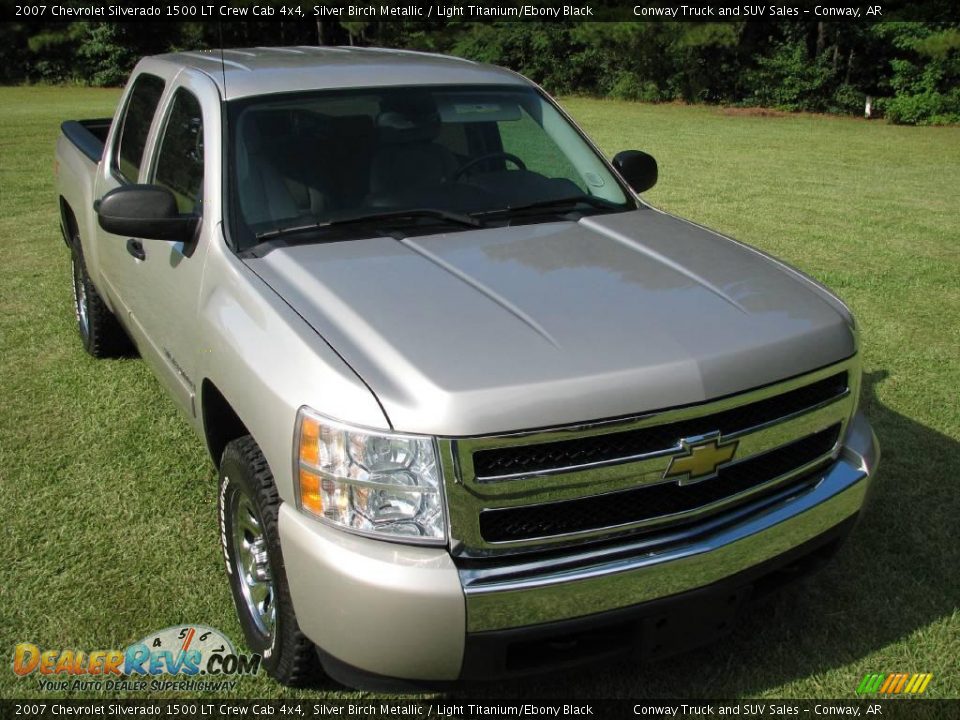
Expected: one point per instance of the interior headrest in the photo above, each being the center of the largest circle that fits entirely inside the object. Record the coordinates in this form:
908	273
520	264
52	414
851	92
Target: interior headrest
408	118
397	127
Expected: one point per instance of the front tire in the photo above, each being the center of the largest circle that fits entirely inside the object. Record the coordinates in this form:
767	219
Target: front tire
248	506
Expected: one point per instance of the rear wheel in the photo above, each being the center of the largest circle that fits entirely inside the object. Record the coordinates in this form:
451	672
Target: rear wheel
248	508
100	332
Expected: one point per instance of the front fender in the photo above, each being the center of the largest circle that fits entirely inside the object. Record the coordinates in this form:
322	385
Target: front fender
267	362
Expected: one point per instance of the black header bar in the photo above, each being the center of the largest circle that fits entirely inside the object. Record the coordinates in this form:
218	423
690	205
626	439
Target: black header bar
479	10
442	709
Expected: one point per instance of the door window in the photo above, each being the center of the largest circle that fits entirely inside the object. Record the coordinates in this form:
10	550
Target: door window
179	166
135	126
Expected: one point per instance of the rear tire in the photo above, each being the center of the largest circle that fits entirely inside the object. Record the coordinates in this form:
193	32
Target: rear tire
248	506
100	332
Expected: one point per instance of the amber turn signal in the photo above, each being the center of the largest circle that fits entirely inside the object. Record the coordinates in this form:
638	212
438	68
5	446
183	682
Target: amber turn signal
310	497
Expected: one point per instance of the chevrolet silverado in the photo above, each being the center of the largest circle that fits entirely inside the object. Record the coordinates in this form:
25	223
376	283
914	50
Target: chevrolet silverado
478	410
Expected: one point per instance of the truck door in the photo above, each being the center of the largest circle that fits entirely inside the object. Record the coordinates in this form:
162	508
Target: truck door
123	164
164	302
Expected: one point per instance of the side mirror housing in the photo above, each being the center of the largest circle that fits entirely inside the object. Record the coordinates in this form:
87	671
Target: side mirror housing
145	211
638	168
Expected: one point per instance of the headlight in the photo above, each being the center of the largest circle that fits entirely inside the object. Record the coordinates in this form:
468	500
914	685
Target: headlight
369	482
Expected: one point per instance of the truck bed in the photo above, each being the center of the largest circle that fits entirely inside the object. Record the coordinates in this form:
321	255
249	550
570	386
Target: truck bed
89	136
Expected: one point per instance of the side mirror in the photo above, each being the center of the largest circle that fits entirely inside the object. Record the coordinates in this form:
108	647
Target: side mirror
637	168
145	211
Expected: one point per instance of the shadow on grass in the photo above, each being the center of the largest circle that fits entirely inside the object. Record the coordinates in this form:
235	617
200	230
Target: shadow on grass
895	576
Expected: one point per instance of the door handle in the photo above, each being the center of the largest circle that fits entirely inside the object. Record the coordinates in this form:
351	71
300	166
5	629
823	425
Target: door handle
135	248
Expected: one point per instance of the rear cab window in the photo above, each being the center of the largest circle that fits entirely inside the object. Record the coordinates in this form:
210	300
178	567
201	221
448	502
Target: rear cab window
131	139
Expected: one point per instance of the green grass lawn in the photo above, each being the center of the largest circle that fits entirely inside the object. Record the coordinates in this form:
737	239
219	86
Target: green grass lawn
108	499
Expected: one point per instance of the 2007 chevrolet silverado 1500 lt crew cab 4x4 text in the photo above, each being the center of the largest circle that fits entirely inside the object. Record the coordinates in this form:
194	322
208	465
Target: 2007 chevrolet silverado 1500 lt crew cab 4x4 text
478	410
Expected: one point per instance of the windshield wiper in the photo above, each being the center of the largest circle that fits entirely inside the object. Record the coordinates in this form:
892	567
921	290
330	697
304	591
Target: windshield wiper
555	204
448	216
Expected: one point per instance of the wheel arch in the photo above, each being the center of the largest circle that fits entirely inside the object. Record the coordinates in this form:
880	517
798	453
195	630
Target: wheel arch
68	222
221	423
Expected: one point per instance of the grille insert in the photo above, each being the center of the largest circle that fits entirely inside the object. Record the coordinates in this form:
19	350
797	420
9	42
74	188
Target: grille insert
651	501
508	461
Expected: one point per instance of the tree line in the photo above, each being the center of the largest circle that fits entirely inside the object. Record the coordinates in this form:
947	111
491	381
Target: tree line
910	69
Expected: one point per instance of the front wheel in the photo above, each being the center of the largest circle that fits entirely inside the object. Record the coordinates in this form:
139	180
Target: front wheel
248	506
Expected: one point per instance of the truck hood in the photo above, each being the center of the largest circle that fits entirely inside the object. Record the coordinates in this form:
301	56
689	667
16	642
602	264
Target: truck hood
530	326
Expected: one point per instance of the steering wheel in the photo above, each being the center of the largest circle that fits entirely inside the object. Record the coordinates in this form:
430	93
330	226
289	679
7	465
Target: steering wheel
489	156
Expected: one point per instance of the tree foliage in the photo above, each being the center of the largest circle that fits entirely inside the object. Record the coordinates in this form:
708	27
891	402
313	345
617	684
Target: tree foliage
913	69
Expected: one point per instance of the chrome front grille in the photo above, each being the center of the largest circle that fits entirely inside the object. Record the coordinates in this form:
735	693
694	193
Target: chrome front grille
533	490
506	463
652	501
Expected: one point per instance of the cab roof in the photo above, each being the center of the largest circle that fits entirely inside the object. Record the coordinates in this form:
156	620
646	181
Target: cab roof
245	72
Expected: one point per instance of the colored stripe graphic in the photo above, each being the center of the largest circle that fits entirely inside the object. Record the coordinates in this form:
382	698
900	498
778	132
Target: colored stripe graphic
887	683
894	683
912	684
870	683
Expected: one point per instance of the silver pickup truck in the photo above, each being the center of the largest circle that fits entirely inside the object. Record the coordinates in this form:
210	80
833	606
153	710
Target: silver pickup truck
478	411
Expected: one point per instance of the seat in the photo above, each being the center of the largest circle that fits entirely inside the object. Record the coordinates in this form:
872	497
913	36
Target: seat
272	184
346	154
407	158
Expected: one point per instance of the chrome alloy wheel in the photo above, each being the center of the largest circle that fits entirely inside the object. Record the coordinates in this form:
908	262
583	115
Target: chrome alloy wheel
253	564
80	298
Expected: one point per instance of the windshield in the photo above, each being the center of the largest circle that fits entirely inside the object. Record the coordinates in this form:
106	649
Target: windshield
417	155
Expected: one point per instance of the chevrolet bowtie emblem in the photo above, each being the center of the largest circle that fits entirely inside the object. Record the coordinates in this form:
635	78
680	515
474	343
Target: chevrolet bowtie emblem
701	458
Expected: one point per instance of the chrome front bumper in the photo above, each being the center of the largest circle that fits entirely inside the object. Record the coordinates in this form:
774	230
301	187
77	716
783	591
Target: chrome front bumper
589	587
405	612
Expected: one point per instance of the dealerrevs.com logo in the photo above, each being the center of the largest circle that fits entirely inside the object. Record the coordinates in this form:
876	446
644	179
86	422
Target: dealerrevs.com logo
183	657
